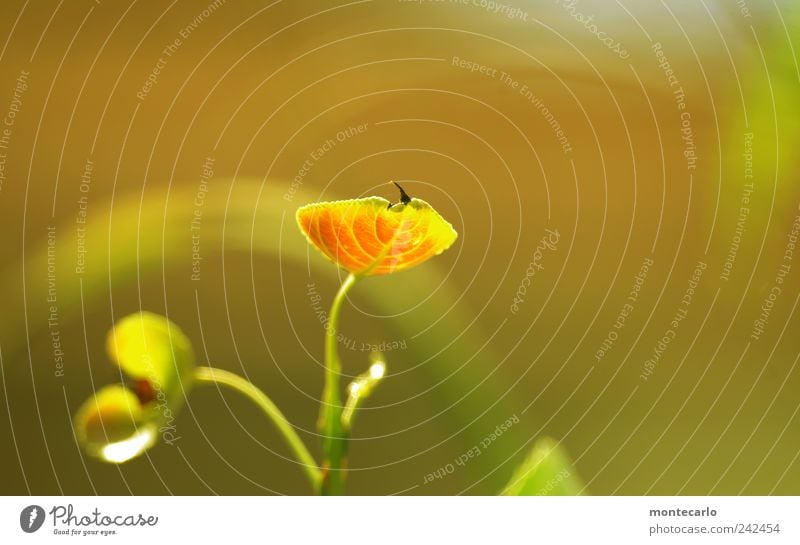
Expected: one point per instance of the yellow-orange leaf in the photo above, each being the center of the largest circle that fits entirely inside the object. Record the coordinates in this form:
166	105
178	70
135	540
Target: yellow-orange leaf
368	237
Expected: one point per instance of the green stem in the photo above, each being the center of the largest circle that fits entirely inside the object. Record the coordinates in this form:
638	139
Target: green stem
243	386
334	440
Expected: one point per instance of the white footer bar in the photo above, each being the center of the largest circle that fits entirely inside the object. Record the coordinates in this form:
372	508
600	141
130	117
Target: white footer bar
380	520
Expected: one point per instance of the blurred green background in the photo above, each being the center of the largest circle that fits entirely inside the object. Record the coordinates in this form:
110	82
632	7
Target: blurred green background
139	116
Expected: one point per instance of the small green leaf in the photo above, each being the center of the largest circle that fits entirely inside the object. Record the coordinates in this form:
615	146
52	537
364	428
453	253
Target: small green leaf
121	421
150	348
112	425
547	471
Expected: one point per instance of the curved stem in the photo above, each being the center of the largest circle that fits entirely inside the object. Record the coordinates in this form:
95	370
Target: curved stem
334	441
243	386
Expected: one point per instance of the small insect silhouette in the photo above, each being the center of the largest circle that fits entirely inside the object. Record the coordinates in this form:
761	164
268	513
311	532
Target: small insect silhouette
404	198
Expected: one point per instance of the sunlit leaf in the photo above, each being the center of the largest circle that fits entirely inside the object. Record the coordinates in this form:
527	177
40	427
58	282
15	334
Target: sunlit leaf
121	421
153	351
112	425
370	237
547	471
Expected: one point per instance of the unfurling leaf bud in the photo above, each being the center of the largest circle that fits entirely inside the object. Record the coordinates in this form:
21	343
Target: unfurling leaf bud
121	421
